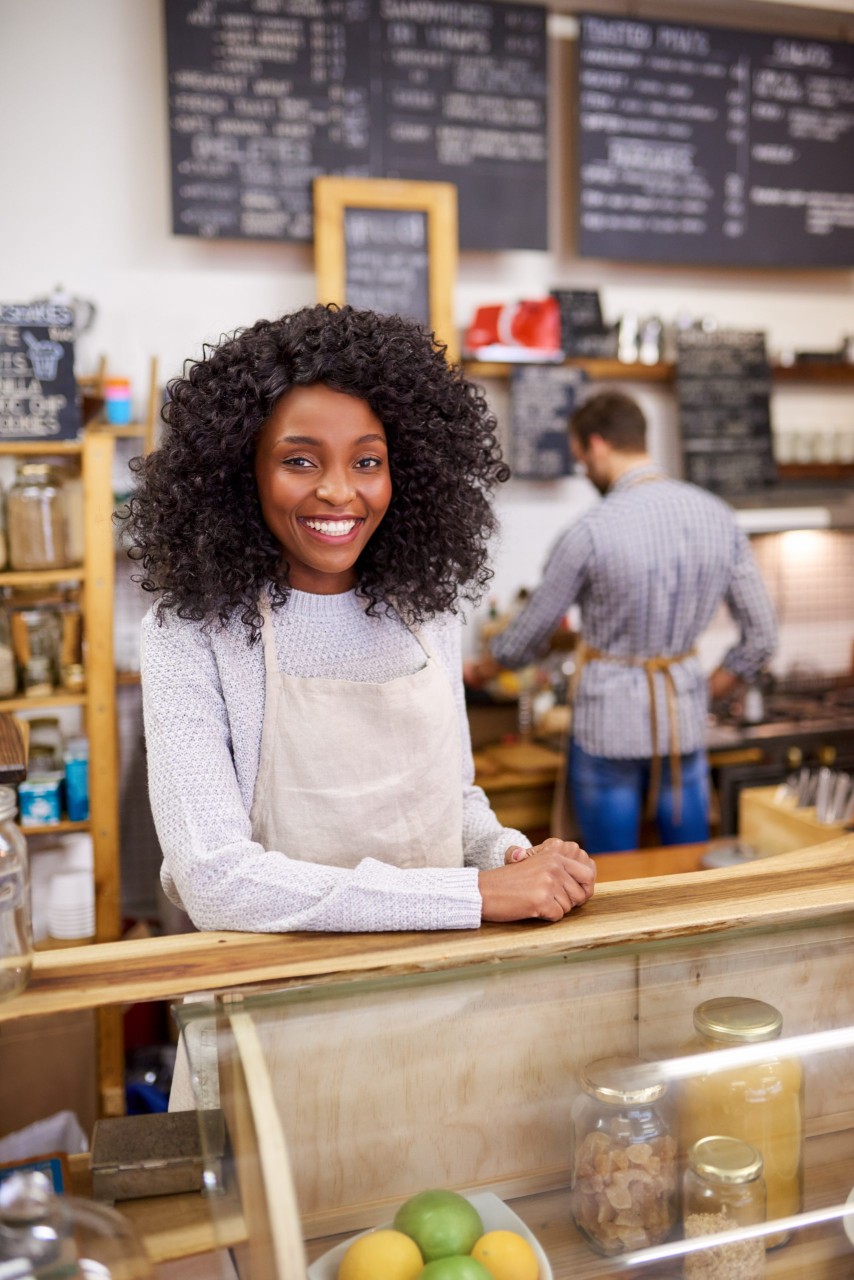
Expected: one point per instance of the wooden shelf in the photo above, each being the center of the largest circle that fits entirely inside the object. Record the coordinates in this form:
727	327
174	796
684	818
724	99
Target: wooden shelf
55	828
41	446
41	577
828	471
127	677
841	373
599	370
49	700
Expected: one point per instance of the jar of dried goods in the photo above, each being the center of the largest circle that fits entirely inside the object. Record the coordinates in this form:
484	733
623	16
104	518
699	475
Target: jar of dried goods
723	1189
37	519
761	1101
624	1173
16	933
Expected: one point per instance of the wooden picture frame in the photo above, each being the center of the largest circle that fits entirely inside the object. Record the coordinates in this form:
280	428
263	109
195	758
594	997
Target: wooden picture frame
431	283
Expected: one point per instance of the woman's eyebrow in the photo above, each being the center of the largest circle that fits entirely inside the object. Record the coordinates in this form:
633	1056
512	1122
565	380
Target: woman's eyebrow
369	439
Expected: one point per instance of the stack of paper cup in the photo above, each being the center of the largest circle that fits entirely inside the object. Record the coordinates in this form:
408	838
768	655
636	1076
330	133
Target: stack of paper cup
71	907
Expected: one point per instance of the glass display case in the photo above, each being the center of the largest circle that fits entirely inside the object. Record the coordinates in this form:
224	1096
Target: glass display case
345	1096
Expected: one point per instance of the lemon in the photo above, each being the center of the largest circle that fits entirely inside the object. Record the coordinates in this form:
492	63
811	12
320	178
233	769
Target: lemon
381	1255
506	1256
440	1222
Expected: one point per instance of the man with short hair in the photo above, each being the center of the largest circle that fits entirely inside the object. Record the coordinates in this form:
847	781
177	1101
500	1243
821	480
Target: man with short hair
648	566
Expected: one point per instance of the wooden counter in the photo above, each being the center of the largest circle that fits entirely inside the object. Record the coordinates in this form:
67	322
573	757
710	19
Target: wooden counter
813	886
789	889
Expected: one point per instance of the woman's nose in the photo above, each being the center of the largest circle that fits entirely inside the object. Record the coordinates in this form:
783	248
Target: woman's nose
335	489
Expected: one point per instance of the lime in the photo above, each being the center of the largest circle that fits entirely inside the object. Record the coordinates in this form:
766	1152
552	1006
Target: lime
441	1223
455	1269
381	1255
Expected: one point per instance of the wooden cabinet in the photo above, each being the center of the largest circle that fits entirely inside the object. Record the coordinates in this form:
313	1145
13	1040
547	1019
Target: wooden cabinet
97	707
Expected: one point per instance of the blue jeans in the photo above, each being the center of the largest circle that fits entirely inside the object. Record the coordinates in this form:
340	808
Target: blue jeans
607	798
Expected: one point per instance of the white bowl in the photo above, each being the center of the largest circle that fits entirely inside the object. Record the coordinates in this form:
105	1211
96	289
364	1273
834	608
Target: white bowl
494	1213
847	1219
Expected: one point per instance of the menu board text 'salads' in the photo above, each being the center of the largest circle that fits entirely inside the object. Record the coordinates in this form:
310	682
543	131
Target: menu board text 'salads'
712	146
263	99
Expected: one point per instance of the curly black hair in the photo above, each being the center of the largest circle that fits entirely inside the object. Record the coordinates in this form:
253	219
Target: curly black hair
194	521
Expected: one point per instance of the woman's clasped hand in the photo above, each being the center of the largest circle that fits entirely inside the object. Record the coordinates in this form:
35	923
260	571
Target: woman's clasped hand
544	882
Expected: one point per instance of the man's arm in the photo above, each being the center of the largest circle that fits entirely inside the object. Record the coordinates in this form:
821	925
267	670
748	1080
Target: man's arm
750	605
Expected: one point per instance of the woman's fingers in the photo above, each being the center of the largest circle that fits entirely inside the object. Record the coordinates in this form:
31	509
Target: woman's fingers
545	887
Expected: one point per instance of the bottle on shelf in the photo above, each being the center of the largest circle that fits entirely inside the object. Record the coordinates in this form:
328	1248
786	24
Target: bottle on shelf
16	930
723	1188
37	518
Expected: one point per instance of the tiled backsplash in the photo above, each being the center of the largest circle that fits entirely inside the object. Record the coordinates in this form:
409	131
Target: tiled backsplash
810	576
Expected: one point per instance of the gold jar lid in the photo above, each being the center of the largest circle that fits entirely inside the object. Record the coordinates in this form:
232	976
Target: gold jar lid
725	1159
738	1020
35	470
619	1081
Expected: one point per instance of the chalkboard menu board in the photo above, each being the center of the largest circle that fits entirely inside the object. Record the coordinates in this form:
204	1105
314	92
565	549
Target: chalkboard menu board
387	268
542	398
723	388
582	330
265	97
38	394
707	145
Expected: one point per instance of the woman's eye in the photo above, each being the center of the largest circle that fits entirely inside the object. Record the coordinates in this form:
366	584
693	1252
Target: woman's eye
369	463
296	462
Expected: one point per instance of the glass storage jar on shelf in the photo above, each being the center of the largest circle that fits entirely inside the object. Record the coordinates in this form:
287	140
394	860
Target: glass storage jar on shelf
723	1189
37	519
16	933
624	1169
761	1102
8	670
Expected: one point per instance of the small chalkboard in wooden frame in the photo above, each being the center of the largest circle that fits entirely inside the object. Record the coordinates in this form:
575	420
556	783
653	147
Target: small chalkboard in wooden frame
389	246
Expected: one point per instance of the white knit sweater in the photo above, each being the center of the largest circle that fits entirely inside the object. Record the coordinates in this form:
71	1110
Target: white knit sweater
203	702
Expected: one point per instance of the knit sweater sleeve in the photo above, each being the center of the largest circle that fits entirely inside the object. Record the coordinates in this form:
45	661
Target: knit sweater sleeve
211	865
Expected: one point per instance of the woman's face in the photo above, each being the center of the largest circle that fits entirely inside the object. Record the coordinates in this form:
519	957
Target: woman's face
321	466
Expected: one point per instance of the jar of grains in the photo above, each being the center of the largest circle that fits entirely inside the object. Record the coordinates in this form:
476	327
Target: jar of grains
760	1102
723	1189
37	519
624	1172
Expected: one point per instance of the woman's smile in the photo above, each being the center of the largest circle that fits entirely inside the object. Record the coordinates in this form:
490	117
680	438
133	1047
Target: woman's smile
322	470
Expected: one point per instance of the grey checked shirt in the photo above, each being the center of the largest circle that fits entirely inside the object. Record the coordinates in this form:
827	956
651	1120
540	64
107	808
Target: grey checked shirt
648	566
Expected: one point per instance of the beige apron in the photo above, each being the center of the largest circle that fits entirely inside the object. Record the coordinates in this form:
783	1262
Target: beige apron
351	769
348	770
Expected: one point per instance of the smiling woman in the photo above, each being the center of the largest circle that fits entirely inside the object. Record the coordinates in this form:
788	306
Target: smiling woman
323	486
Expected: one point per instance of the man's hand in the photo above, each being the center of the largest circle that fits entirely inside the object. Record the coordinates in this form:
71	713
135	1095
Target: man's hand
479	671
721	684
544	884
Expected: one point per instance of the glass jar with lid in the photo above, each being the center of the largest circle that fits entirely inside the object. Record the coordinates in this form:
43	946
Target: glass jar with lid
624	1172
761	1102
16	932
37	519
50	1235
723	1188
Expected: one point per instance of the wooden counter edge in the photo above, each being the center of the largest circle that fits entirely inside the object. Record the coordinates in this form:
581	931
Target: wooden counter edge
786	889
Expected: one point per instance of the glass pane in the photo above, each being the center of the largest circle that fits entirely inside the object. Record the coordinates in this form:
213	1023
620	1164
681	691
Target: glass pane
478	1080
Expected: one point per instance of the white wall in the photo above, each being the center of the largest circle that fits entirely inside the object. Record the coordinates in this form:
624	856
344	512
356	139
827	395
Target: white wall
85	204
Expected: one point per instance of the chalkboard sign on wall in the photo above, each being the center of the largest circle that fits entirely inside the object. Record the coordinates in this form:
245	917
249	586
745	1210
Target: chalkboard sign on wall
542	398
723	388
708	145
390	247
38	394
387	266
265	97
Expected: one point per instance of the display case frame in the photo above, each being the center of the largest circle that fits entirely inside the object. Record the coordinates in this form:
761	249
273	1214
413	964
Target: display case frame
356	1091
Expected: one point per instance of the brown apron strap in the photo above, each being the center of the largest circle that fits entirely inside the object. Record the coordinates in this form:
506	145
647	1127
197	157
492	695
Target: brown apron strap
658	664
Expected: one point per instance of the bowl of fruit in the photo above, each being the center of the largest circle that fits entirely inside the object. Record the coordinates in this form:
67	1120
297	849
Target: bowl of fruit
440	1235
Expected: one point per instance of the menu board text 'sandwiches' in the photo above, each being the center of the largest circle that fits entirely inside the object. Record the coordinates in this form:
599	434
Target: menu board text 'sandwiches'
265	97
713	146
